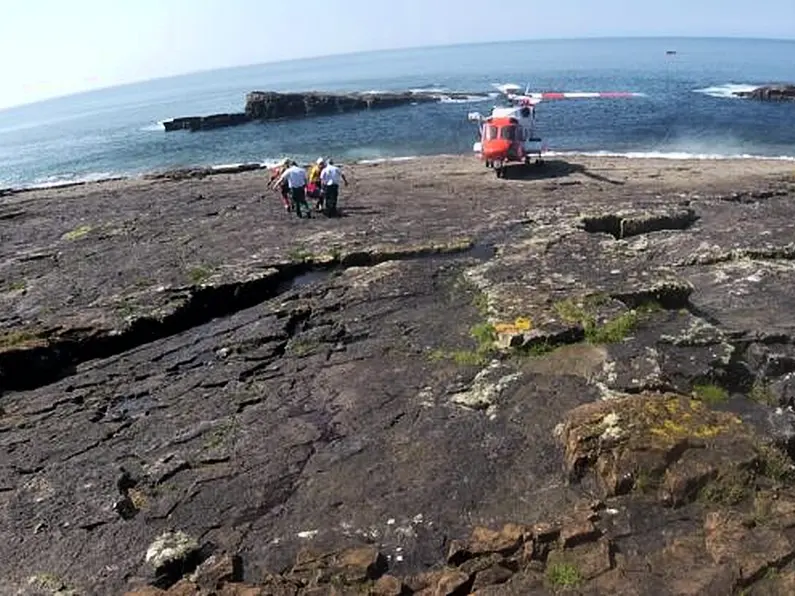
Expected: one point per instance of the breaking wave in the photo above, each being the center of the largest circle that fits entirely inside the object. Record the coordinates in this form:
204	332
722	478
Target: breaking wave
672	155
429	89
467	99
68	180
156	127
388	159
727	91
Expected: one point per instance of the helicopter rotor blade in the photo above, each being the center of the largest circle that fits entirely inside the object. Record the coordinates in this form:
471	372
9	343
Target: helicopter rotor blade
549	95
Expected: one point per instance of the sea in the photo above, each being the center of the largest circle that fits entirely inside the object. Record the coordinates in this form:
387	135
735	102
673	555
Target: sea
686	108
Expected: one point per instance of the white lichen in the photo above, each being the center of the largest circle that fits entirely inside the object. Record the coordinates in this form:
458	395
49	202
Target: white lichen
486	388
612	431
168	547
698	333
425	397
609	372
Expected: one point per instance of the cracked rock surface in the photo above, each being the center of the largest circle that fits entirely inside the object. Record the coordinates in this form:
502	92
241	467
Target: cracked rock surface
575	379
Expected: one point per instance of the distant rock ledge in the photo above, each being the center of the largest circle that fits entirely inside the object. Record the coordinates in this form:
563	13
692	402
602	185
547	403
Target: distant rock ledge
770	93
270	105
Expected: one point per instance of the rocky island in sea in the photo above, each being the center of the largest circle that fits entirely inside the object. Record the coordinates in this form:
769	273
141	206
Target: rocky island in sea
770	93
576	378
271	105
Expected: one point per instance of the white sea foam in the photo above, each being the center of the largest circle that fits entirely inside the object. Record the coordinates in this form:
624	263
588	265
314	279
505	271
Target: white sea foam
272	162
156	127
429	90
56	181
387	159
728	90
232	166
467	99
227	166
672	155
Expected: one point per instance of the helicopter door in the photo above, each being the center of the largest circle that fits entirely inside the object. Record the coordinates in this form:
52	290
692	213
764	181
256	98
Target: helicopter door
510	133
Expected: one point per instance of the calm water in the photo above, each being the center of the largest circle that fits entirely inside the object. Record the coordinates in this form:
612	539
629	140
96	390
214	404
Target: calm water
686	109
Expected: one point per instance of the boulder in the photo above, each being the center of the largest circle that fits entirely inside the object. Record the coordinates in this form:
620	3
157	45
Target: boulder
353	566
172	555
670	443
485	541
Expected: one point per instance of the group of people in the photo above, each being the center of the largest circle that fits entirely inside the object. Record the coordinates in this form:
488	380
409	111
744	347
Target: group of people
322	184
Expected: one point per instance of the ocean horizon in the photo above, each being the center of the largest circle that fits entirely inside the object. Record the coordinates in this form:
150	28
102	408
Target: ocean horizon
687	109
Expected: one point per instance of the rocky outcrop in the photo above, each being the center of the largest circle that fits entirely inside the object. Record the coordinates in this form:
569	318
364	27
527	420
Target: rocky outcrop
204	395
595	547
770	93
194	123
187	173
270	105
670	445
262	105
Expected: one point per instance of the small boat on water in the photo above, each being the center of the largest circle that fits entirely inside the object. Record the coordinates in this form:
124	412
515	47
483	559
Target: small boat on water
670	52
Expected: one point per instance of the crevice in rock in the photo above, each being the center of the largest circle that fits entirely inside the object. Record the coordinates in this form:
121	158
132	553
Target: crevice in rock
766	253
28	368
751	196
766	571
544	343
670	296
700	314
625	227
735	376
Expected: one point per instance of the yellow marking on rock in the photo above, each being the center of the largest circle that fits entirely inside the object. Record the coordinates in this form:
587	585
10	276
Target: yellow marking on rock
519	325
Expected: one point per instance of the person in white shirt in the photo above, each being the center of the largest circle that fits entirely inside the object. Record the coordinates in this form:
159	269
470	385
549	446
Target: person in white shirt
330	180
296	181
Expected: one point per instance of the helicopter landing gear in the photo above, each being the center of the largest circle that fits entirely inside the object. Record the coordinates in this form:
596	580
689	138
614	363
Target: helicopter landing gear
499	168
537	162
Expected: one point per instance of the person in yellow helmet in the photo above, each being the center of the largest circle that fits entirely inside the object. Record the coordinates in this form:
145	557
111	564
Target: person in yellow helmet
313	187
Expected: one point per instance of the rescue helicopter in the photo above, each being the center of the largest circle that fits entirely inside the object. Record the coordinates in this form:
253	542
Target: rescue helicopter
508	134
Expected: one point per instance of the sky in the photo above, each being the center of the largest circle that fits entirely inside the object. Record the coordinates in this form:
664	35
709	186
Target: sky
58	47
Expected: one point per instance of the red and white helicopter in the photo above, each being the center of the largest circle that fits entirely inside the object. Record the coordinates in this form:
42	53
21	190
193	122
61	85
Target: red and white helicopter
508	134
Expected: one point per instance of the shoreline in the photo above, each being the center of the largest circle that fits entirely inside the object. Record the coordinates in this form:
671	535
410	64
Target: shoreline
240	167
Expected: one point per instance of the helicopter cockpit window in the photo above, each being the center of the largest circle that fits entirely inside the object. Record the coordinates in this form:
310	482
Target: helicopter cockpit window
491	133
508	133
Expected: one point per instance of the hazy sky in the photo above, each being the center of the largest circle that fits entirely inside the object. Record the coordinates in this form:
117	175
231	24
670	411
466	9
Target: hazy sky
54	47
